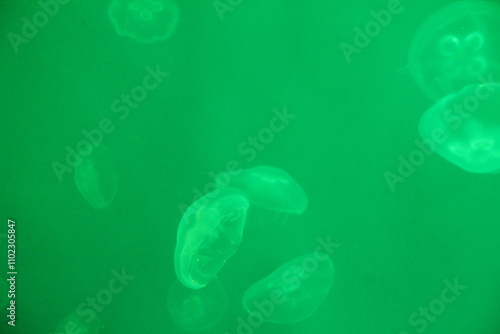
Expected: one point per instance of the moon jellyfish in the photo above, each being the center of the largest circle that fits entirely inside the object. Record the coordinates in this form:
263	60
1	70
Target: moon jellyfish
209	234
266	186
145	21
197	310
464	128
455	46
75	323
293	292
96	178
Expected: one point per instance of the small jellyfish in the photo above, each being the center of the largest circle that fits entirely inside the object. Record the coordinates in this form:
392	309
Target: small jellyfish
293	292
464	128
455	46
96	178
145	21
209	234
197	310
76	323
269	187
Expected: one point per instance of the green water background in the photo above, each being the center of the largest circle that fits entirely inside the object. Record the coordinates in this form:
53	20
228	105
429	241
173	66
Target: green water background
226	77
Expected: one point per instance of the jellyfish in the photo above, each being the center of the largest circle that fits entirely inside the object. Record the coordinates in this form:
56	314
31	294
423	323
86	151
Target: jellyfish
269	187
76	323
464	128
96	177
454	47
197	310
145	21
293	292
209	234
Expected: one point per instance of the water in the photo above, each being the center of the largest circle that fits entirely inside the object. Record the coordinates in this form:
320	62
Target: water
263	83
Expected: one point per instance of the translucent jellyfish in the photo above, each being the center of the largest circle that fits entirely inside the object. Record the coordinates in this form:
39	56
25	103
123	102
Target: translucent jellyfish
455	46
96	178
266	186
209	234
197	310
75	323
293	292
464	128
145	21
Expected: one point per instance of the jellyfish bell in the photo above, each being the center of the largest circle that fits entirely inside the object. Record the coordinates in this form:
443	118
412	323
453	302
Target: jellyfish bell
145	21
297	288
77	323
197	310
269	187
454	47
470	123
209	233
96	178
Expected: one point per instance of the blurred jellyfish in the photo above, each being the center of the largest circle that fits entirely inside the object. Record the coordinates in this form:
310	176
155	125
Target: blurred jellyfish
293	292
455	46
75	323
197	310
145	21
96	178
268	187
464	128
209	234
